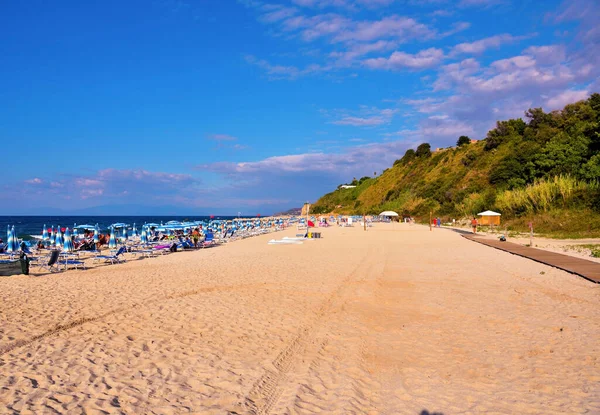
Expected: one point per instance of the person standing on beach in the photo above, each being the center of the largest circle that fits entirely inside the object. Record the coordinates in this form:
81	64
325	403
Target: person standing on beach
474	224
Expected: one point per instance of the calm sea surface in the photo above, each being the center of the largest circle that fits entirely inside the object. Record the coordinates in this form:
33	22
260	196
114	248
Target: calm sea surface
26	226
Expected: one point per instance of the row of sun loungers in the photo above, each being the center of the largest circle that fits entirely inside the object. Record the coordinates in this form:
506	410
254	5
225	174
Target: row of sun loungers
55	260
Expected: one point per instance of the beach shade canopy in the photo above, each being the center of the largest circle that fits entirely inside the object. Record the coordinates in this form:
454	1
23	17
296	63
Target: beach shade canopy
388	213
89	227
119	225
112	242
68	244
489	213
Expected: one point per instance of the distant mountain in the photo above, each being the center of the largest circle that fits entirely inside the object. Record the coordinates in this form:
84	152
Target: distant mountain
290	212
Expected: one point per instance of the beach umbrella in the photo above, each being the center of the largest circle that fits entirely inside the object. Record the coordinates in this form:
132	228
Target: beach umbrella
144	236
134	231
68	244
7	233
388	213
96	236
52	236
45	236
112	242
59	237
74	229
125	234
11	243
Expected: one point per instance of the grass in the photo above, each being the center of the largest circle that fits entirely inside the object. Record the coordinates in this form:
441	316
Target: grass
593	248
543	195
558	224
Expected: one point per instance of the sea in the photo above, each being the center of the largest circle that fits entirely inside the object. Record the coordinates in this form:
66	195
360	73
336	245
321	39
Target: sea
28	226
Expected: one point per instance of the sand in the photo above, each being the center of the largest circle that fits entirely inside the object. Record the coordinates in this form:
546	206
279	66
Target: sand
395	320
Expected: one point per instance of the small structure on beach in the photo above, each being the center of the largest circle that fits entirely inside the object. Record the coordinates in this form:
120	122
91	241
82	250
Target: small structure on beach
489	218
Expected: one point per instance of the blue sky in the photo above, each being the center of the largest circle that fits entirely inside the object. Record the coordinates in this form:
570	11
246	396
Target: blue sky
256	106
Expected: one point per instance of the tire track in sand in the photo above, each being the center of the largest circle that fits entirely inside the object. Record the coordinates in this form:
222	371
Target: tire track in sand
267	390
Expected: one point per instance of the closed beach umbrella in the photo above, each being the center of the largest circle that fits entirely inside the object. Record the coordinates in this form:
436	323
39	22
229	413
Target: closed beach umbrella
125	234
144	236
52	236
68	244
45	236
112	242
96	236
134	230
12	241
74	229
59	237
7	233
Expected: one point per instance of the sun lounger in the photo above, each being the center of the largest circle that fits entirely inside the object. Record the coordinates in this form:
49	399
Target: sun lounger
116	258
50	262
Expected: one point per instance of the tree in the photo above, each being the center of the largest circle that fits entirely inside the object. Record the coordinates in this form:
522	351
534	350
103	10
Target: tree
424	150
463	140
408	156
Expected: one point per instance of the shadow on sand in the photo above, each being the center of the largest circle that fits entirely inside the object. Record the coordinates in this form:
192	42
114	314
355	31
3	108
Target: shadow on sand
426	412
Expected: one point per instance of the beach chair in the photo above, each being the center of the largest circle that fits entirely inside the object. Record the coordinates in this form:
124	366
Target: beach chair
116	258
209	241
74	263
50	262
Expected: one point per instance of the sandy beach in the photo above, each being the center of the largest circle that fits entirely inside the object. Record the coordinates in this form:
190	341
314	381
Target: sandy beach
395	320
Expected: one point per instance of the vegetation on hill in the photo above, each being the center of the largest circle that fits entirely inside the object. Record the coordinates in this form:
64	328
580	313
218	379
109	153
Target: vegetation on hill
545	169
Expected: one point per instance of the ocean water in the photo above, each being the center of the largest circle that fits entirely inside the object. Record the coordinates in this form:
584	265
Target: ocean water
27	226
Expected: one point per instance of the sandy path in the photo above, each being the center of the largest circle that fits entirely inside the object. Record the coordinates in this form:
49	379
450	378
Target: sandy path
391	321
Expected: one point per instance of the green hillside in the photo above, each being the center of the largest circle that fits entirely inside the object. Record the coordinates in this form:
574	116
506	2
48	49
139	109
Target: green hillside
546	169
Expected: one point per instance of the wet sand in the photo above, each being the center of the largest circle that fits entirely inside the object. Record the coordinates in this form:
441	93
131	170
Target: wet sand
395	320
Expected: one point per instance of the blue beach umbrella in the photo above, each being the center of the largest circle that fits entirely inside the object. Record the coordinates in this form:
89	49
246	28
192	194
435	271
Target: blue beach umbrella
125	234
96	236
45	236
11	242
52	236
59	237
68	244
7	233
134	231
144	236
75	229
112	242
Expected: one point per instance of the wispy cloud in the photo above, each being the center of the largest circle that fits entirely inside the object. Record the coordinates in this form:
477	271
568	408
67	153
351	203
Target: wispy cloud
365	116
401	60
222	137
479	46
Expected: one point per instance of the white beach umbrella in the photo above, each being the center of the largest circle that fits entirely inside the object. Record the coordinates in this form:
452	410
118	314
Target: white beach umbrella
388	213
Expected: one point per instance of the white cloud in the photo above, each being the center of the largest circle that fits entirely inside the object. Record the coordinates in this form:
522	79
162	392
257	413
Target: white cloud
399	60
567	97
481	45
